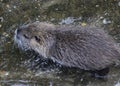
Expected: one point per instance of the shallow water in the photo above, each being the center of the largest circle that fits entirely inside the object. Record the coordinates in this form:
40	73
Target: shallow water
18	68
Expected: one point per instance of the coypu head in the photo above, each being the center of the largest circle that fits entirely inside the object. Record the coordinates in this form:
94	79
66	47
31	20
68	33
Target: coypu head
34	37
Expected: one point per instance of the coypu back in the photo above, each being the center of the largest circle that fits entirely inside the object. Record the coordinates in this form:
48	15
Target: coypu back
86	48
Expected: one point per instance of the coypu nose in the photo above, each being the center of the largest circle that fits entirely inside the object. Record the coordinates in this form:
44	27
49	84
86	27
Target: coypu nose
18	30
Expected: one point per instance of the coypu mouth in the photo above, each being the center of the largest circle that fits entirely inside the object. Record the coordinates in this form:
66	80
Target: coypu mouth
20	41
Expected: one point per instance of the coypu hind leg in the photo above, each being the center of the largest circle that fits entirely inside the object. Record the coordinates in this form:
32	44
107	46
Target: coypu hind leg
100	74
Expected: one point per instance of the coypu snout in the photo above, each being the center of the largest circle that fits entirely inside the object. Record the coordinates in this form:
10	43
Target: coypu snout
22	38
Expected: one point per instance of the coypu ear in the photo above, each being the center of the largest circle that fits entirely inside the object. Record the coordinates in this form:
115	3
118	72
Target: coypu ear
37	38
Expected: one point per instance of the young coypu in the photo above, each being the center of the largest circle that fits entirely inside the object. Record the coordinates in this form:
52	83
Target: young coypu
86	48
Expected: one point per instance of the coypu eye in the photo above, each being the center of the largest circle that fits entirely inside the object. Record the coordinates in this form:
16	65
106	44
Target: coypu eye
26	36
37	38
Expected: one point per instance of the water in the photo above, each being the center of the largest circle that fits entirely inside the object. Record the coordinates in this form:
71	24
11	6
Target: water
18	68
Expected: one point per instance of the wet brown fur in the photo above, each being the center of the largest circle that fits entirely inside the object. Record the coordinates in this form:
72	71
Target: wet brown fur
87	48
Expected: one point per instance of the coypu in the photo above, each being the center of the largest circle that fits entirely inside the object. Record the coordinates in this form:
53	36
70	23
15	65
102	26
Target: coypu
87	48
